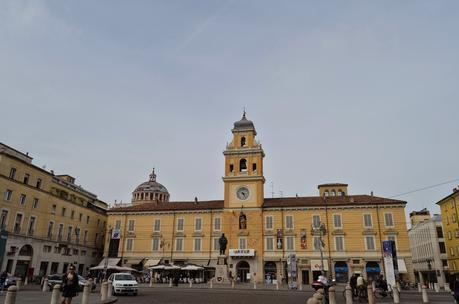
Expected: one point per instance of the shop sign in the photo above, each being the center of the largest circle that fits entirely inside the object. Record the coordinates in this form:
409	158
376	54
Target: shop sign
242	252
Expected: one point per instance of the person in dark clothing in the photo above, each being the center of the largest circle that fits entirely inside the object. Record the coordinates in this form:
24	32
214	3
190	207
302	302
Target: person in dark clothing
3	277
353	284
69	286
456	289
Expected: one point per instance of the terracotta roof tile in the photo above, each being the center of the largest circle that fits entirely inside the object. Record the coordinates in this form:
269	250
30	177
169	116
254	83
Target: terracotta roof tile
310	201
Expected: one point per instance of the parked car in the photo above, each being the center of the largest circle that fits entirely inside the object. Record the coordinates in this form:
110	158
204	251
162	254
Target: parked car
123	283
54	279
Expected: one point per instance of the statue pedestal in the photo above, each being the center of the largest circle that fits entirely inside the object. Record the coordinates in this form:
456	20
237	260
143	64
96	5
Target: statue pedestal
221	270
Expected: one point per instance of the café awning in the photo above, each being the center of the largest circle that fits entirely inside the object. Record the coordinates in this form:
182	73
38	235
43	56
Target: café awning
111	262
401	266
316	265
151	262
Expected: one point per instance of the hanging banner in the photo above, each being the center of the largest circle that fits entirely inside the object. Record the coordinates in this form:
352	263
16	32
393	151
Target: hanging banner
279	238
303	239
389	262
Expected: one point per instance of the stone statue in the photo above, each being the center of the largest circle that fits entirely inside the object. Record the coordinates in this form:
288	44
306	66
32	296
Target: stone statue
222	241
242	221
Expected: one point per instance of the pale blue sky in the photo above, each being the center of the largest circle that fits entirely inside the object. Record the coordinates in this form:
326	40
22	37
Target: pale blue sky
362	92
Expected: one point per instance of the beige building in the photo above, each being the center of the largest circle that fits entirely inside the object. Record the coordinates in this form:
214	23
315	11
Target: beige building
261	232
49	221
428	247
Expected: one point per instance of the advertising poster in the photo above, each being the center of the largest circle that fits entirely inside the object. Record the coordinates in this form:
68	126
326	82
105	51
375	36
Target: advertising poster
303	239
279	239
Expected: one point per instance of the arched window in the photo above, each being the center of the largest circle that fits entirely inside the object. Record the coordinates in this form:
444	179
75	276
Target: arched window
243	141
326	193
333	193
243	165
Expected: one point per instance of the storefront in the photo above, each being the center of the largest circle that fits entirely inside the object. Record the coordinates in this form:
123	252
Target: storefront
341	272
270	272
316	268
373	270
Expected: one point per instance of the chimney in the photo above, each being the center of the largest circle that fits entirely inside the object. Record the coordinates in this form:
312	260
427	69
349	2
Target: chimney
196	200
371	193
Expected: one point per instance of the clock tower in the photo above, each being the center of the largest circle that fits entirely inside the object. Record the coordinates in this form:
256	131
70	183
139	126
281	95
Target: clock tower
243	178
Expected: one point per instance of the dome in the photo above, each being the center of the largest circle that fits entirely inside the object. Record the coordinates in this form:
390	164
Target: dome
150	191
244	124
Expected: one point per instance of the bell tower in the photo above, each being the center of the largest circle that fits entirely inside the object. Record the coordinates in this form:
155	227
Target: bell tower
243	178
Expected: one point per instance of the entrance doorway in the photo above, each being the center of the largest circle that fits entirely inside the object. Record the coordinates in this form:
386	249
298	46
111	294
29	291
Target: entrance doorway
305	277
270	270
242	270
341	272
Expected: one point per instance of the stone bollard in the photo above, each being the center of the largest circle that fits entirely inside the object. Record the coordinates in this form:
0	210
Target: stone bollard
319	295
26	281
19	284
349	299
109	288
371	295
277	284
104	291
254	284
11	295
301	286
436	287
396	294
447	289
313	300
170	282
331	295
419	287
55	294
232	284
425	298
86	293
45	285
91	283
191	282
211	283
151	278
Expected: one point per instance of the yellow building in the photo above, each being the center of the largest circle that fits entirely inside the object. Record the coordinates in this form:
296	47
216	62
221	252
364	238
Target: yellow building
49	222
449	211
262	232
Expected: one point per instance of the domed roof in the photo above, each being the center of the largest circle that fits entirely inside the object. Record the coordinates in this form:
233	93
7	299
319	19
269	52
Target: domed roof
151	185
244	124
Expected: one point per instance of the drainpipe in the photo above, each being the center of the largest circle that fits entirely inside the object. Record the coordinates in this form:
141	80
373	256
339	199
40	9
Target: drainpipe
172	239
328	237
380	240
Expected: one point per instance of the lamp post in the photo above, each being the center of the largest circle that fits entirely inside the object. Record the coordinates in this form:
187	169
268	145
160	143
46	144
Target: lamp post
322	230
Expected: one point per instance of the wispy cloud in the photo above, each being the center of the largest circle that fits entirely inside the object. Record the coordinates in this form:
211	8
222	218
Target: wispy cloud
201	27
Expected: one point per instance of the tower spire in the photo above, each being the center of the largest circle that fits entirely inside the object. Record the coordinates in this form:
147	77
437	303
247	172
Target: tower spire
153	175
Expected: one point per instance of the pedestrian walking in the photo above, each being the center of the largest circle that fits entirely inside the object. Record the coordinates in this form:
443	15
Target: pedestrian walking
69	286
456	289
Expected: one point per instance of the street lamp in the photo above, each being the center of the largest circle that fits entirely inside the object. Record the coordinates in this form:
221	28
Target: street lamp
322	230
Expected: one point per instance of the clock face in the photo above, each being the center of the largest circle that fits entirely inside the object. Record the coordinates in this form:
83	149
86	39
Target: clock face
243	193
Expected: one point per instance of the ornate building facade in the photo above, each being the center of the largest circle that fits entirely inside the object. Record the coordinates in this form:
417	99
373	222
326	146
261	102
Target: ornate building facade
263	233
47	222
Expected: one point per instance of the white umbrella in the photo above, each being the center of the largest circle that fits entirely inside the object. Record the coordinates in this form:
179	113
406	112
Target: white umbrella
165	267
192	267
171	267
